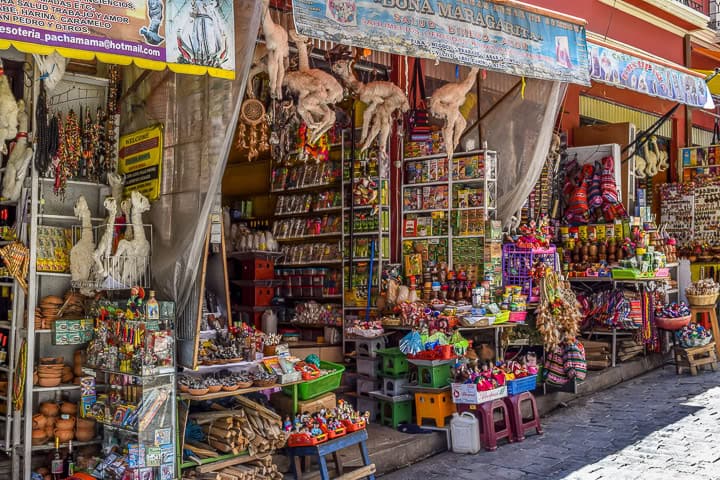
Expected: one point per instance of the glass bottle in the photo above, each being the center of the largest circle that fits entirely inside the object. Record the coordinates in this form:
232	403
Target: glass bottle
56	464
153	309
69	464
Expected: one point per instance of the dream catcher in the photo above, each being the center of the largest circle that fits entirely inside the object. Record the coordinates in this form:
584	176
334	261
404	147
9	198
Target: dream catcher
253	130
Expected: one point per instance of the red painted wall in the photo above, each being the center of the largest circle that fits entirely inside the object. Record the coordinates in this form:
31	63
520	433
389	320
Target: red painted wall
616	25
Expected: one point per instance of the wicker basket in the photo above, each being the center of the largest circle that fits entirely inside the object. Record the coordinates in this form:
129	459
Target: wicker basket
703	300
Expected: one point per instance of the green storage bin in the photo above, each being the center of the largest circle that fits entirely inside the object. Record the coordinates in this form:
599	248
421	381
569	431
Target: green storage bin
324	384
394	363
396	413
434	377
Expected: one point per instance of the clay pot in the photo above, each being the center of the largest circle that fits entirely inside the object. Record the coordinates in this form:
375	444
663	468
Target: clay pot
79	357
49	382
64	435
214	388
39	437
84	434
39	421
51	422
68	408
65	423
67	375
85	423
49	429
49	409
35	378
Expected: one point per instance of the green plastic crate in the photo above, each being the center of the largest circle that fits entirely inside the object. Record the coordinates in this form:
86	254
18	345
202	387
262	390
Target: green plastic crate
394	363
324	384
396	413
434	377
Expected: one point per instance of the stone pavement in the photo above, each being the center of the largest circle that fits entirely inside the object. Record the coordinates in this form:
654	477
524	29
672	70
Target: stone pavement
655	427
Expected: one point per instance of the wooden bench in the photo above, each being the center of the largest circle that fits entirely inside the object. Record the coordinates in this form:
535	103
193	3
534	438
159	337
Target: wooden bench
331	447
695	357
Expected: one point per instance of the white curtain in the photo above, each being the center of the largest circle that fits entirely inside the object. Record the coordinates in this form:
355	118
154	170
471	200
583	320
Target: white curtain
521	131
199	114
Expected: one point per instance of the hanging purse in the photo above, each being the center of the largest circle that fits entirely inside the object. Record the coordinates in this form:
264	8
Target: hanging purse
418	121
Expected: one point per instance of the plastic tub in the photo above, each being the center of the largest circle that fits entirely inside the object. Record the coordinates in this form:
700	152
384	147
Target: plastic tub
324	384
525	384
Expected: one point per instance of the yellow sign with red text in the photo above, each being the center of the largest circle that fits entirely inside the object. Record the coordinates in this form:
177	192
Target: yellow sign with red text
140	160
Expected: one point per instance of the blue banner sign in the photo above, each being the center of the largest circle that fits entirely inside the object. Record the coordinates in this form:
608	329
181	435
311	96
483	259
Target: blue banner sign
505	38
626	71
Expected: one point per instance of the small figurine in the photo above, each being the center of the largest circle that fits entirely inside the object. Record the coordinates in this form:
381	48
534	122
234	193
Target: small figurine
287	424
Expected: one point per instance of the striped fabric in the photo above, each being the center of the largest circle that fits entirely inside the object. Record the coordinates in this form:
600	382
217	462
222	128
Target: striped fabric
564	363
575	361
594	192
607	181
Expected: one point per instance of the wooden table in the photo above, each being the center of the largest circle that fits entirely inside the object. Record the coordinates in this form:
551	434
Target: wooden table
332	447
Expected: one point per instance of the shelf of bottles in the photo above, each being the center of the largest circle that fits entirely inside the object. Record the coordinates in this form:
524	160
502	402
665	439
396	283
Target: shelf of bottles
132	354
446	205
366	224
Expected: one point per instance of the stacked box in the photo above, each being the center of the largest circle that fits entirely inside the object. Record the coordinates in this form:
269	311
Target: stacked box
72	332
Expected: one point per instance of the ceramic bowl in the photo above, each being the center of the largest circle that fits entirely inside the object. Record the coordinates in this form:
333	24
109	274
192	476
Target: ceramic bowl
49	382
198	391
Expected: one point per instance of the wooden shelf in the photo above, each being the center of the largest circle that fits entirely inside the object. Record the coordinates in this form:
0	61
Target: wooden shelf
240	391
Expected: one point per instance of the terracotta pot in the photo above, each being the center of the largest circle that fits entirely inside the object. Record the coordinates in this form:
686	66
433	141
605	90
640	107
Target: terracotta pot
68	408
39	421
64	435
214	388
49	382
85	423
35	378
79	357
50	422
84	434
49	429
77	370
49	409
39	437
65	423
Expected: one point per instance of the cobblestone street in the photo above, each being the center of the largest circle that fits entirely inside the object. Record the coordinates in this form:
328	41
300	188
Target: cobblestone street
658	426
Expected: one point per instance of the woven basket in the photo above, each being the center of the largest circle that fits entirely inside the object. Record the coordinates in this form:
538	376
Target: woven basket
703	300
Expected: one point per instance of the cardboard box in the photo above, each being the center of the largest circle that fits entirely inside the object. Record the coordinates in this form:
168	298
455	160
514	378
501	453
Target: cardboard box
468	393
283	403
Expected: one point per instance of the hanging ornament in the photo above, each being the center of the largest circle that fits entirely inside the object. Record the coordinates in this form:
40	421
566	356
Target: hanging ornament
69	152
252	129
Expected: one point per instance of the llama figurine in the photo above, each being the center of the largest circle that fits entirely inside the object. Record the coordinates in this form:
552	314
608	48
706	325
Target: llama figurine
136	252
81	254
105	245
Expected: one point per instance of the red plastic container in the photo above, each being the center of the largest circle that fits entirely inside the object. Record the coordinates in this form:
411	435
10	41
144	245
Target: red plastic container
354	427
339	432
305	440
257	269
257	296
